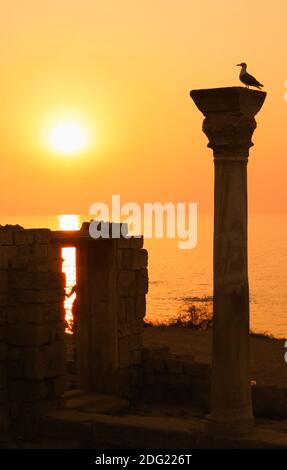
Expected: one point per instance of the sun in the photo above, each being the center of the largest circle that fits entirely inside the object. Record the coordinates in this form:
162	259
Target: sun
68	138
69	221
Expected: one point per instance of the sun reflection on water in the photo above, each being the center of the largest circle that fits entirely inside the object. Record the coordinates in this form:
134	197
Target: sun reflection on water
69	268
69	222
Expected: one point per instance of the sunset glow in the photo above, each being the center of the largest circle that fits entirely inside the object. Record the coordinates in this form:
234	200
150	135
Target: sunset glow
68	138
123	75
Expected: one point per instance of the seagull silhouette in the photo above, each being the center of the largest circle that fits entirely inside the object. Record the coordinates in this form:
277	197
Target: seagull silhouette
246	78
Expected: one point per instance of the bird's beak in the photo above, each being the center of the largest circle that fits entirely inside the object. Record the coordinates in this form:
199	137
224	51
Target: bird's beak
238	65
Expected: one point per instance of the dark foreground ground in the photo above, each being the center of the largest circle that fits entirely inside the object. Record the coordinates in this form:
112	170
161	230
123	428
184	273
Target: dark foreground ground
267	354
99	421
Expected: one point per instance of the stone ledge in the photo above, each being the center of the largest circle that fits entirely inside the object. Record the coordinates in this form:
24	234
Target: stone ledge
234	100
150	432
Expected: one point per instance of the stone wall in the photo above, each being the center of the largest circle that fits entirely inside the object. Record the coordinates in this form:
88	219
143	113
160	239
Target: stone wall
132	286
32	356
112	282
168	377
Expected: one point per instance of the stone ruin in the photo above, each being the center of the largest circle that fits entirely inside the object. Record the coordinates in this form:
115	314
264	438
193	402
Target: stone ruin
112	282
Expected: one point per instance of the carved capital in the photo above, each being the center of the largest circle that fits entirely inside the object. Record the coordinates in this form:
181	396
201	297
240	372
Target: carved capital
229	135
229	120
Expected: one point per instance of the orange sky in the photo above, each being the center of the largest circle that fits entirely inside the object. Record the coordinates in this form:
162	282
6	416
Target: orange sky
125	68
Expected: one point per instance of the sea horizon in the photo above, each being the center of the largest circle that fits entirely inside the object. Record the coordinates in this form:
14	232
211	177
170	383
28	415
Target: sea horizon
178	278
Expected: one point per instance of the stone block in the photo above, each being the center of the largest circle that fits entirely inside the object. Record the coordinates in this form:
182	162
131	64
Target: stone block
54	312
54	252
137	242
137	326
6	237
126	283
197	368
39	296
124	243
33	250
269	401
131	258
123	345
42	280
27	313
140	306
126	360
124	259
34	363
39	264
3	375
24	237
3	299
4	419
122	318
14	353
3	351
11	314
30	263
179	381
142	258
174	366
15	369
130	339
150	377
2	333
130	309
60	331
7	253
201	392
26	250
45	362
127	259
28	335
56	359
56	265
42	235
3	281
3	315
159	364
142	281
59	386
19	262
124	329
137	357
134	376
135	342
4	396
27	391
126	309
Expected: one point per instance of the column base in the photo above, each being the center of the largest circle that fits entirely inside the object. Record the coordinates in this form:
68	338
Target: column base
228	426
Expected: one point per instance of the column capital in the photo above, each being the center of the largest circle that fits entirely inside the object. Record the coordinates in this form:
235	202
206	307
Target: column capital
229	120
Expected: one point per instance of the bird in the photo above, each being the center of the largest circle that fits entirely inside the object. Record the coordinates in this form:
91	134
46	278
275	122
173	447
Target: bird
246	78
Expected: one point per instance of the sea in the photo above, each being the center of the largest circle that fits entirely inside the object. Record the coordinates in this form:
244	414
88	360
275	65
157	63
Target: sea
178	278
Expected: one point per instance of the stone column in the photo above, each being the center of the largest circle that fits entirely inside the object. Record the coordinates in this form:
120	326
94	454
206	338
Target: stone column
229	124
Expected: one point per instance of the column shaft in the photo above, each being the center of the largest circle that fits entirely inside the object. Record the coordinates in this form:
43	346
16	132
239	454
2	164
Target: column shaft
229	124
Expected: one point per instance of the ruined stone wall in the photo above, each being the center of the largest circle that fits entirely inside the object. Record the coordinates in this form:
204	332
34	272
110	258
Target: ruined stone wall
167	377
32	356
132	286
